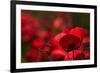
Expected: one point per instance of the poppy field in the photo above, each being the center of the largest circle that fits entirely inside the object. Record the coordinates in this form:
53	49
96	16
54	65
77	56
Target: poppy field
54	36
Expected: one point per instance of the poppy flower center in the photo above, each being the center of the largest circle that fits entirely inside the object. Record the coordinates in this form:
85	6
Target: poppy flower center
71	46
69	42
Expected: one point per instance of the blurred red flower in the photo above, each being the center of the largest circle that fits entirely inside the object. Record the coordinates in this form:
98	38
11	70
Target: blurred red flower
87	54
45	35
33	55
59	23
37	43
86	42
30	26
58	54
46	49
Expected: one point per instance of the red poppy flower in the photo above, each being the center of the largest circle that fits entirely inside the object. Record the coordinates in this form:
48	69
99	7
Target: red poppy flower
59	22
27	34
27	19
86	42
46	49
45	35
79	32
53	43
37	43
58	54
33	55
29	27
63	20
87	54
73	39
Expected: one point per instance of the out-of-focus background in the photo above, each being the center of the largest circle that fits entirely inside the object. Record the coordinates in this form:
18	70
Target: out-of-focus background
52	23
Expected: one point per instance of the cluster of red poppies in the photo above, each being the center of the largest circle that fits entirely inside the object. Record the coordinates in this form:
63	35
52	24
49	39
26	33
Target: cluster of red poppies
51	45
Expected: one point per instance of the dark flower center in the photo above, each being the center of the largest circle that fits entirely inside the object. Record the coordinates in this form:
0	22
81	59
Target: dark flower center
70	42
71	46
